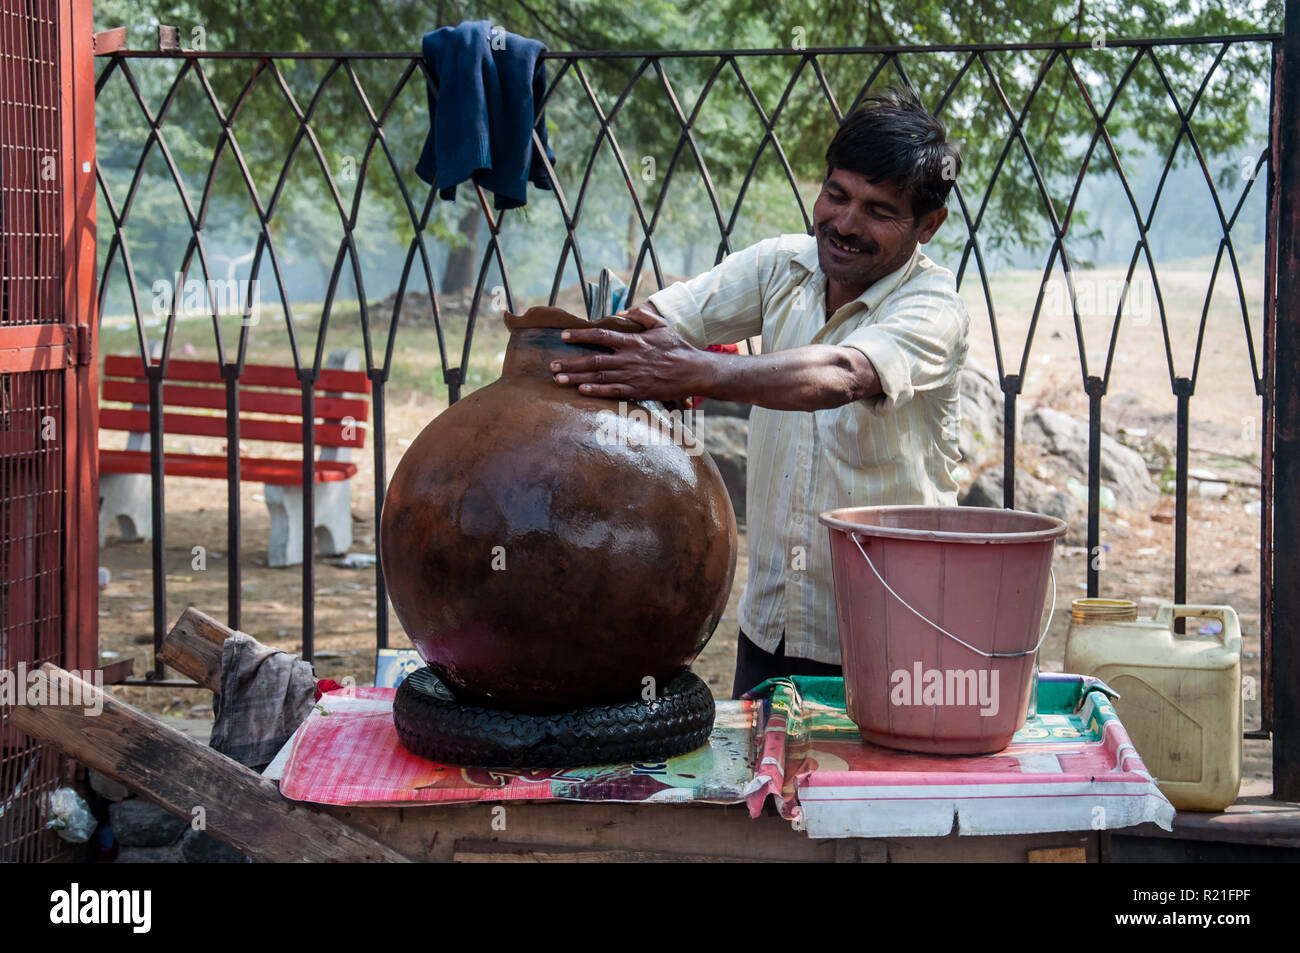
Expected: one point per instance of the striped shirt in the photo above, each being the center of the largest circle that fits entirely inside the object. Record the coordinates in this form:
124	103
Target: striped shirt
899	446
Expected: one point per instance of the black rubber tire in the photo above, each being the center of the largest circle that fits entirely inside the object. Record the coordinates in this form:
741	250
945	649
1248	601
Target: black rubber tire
433	724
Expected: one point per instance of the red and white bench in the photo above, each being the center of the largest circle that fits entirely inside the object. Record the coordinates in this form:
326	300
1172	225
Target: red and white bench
270	404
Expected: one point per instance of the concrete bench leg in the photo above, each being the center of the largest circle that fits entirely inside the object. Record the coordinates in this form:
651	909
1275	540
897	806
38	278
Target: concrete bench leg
125	498
333	521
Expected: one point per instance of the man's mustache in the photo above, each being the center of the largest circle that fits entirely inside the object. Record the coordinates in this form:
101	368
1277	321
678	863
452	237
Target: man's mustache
867	247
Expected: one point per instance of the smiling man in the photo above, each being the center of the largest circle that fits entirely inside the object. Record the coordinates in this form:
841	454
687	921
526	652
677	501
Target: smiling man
856	388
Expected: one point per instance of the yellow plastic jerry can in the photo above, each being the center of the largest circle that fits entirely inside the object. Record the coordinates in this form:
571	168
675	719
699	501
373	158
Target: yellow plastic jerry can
1180	694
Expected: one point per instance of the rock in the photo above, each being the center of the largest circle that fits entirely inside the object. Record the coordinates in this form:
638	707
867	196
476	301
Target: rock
727	440
1032	495
201	848
1062	506
1117	528
107	788
1241	569
138	823
980	439
1212	489
1077	535
1163	515
986	490
1128	413
1066	437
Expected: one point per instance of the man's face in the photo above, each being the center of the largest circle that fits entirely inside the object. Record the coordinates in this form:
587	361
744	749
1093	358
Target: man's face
865	229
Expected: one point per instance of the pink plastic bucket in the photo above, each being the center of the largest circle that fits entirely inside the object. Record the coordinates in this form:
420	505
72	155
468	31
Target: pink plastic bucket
943	663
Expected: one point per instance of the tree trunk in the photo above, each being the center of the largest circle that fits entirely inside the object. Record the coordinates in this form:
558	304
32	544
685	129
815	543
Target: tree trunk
634	238
458	274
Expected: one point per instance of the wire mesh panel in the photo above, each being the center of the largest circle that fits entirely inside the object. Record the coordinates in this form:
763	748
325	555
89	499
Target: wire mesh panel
31	584
30	239
33	392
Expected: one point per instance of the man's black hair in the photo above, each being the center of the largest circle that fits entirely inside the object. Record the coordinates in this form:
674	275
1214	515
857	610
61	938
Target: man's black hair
891	138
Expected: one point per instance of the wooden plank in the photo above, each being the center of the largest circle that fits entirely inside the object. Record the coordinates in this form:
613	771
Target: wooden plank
193	647
257	375
33	335
1057	855
250	428
18	360
856	850
238	806
457	831
1256	818
496	852
118	671
169	39
212	467
110	41
250	401
1126	848
1004	848
1263	829
714	830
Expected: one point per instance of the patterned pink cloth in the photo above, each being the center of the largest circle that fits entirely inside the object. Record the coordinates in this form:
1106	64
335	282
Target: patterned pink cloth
347	752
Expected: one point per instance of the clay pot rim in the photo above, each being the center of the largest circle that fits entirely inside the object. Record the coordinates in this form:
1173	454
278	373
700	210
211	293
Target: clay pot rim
542	317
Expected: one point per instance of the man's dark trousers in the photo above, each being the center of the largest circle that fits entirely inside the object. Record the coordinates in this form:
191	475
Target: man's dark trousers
754	665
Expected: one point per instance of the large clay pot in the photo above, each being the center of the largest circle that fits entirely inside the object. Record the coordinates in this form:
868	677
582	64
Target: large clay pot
539	565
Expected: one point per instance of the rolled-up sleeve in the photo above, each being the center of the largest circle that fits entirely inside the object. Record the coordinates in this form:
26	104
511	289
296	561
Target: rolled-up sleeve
918	343
724	305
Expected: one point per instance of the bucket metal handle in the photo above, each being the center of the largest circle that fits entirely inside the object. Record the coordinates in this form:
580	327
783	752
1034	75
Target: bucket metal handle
1051	611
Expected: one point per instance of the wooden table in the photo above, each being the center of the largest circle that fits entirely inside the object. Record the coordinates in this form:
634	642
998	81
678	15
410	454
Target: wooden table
1255	828
540	831
247	810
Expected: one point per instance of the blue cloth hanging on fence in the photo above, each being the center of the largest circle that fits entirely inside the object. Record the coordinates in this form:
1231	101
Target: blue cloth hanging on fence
490	84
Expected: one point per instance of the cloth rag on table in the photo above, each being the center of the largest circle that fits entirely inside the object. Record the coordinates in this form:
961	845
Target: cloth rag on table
265	695
489	87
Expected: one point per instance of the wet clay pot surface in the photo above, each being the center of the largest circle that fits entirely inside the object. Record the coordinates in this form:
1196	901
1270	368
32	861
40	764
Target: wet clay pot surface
539	565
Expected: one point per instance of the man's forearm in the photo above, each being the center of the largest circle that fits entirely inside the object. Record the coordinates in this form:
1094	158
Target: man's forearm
657	364
813	377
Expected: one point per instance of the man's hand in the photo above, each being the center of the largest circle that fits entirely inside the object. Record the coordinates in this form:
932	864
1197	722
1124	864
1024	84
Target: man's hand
656	364
652	364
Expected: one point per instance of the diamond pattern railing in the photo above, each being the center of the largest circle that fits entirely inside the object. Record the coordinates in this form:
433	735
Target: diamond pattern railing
607	93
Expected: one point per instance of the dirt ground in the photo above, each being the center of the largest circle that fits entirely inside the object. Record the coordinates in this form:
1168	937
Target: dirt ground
1223	563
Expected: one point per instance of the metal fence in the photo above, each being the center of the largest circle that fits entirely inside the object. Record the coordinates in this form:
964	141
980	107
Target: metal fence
1179	76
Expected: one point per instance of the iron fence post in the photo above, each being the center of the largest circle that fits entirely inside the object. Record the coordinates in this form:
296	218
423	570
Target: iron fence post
234	574
1010	388
1286	433
1183	392
1094	387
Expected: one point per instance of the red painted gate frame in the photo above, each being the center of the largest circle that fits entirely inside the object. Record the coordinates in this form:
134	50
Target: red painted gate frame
81	384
